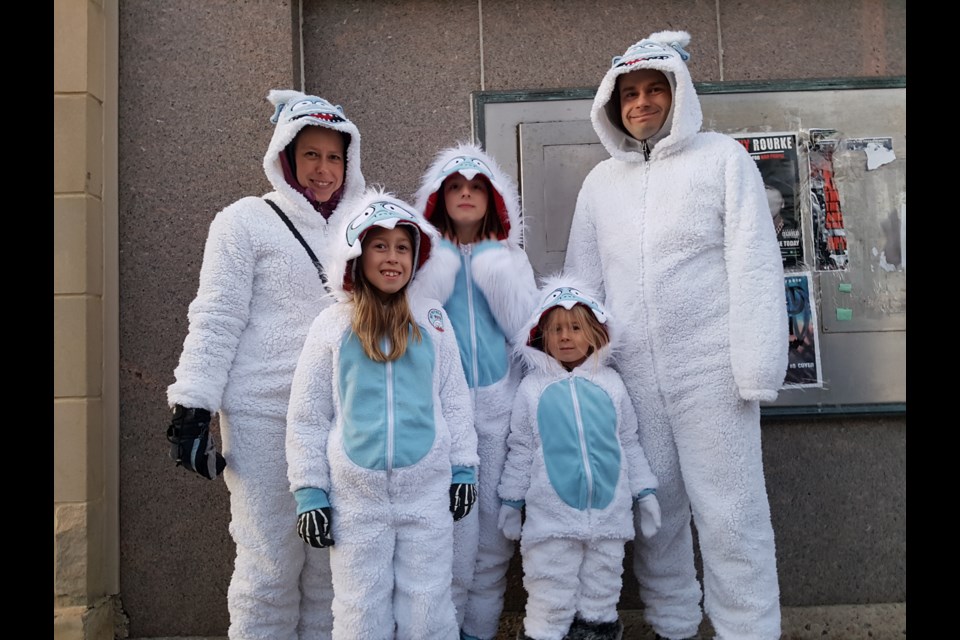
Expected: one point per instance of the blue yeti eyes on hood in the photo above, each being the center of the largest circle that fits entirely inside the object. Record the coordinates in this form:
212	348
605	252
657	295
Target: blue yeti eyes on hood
309	107
467	167
649	50
380	214
568	298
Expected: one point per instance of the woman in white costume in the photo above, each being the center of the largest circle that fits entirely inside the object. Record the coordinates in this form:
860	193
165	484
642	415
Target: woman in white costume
259	291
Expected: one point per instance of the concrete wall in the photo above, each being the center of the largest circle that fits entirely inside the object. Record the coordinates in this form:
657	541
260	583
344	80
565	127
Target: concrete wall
193	126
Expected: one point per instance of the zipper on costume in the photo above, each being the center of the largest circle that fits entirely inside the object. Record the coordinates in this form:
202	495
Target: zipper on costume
467	252
583	442
646	149
390	413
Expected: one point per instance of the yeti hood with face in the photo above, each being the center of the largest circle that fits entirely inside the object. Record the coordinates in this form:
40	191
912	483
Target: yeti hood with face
374	208
294	111
664	52
470	161
558	291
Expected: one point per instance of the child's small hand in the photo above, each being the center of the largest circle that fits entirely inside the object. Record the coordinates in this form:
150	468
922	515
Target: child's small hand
314	527
462	497
509	522
649	508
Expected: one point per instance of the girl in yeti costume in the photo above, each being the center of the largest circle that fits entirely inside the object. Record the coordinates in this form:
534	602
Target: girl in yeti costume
576	464
259	290
676	230
482	276
380	442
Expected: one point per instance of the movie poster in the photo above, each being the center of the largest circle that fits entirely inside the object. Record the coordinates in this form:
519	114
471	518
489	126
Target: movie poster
830	236
776	158
803	364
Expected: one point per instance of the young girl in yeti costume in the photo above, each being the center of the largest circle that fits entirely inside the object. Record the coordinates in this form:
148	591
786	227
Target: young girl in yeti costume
259	290
380	440
483	278
576	464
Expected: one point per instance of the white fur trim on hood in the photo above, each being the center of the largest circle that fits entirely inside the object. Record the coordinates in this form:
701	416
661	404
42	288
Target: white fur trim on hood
663	51
373	208
295	110
470	160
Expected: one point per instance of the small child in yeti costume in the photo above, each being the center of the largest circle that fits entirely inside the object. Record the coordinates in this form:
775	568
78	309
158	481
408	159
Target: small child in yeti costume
676	230
482	276
258	293
576	464
380	442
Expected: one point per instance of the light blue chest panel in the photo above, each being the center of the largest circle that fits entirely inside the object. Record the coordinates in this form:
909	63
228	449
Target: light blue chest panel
577	422
483	347
388	418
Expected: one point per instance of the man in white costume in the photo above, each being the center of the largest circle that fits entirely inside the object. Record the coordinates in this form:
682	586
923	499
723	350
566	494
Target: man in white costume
676	231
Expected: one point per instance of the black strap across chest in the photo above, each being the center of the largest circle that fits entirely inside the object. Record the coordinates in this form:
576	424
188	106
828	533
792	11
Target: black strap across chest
293	230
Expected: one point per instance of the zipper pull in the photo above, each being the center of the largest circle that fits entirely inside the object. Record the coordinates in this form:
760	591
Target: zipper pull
646	149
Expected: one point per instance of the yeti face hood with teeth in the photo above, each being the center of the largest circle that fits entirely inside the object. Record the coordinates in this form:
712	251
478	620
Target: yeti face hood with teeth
294	111
374	208
470	161
664	52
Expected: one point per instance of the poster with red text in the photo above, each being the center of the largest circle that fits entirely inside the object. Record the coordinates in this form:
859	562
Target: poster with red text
776	158
829	232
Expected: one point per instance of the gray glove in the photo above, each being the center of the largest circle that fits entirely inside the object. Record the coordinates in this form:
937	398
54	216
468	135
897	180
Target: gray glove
648	507
509	522
314	527
462	498
190	442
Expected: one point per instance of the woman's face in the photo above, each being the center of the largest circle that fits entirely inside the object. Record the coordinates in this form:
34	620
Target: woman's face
387	259
320	159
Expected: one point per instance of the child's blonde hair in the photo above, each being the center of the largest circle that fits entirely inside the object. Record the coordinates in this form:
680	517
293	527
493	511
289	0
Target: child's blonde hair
595	332
375	319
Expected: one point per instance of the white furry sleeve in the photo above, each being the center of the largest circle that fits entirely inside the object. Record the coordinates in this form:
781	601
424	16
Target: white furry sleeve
639	473
311	413
455	402
758	315
505	277
438	275
218	314
515	480
583	254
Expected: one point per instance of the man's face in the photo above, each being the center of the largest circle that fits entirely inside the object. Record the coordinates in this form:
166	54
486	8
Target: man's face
645	101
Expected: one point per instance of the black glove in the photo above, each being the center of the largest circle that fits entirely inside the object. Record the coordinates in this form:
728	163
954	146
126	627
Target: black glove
190	443
462	497
314	527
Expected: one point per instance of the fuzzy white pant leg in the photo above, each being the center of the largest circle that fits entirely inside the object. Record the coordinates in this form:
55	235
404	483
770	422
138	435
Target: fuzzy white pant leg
263	598
720	453
485	603
361	561
664	564
550	578
422	560
466	538
316	596
601	580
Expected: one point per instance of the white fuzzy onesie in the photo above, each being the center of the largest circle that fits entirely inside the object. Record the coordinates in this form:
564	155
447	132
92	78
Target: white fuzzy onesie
681	241
258	294
487	288
576	463
383	441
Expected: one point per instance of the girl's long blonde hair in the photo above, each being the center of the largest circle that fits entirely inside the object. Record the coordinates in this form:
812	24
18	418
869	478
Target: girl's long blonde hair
376	319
